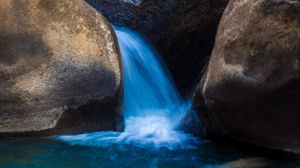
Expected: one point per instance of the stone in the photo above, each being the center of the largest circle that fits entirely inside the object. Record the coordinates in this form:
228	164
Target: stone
183	31
59	68
250	90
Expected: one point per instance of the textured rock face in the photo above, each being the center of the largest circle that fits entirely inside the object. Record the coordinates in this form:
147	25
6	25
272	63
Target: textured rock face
183	31
251	87
59	68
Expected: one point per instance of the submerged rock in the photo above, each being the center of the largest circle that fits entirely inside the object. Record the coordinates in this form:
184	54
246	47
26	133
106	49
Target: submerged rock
59	68
183	31
251	86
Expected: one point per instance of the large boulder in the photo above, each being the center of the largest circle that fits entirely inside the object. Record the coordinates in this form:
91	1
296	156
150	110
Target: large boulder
59	68
183	31
251	87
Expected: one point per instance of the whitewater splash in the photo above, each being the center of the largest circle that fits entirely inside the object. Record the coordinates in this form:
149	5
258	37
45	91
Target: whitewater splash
153	108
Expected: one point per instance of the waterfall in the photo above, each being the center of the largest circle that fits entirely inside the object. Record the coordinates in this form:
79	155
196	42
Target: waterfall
148	88
153	108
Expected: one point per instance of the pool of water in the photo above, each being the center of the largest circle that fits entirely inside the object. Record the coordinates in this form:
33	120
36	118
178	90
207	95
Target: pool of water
52	153
153	114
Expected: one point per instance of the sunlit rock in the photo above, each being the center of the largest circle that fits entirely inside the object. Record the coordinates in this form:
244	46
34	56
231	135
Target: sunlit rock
59	68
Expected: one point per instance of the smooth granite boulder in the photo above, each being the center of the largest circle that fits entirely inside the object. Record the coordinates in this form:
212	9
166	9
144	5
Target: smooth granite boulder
251	86
59	68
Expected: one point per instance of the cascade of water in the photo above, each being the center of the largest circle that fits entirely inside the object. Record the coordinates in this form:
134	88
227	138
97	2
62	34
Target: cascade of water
153	108
148	89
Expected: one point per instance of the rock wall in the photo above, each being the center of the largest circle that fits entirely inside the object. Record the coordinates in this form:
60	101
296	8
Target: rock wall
183	31
59	68
251	86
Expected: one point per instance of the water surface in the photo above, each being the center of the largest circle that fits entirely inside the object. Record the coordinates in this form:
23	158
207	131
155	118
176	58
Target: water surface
153	114
50	153
153	108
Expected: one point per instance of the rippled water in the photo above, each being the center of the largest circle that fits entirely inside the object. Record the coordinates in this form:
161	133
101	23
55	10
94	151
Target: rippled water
49	153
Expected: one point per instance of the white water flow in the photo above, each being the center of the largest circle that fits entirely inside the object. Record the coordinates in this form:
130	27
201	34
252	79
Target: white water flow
153	108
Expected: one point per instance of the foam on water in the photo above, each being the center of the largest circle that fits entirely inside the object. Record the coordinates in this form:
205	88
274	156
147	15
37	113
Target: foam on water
147	132
153	108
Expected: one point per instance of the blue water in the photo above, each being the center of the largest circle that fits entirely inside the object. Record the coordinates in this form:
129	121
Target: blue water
50	153
152	137
153	109
148	88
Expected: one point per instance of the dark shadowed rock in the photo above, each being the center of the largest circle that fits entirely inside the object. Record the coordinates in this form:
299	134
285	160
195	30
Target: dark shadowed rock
115	11
183	31
59	68
251	87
